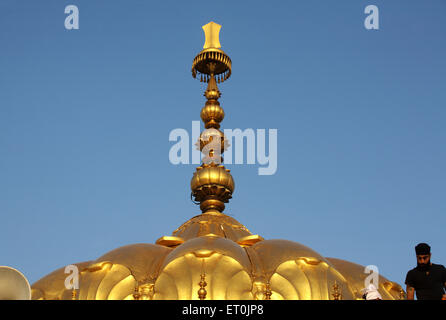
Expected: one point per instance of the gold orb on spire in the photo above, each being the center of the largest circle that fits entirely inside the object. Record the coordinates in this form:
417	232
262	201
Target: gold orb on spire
212	61
211	35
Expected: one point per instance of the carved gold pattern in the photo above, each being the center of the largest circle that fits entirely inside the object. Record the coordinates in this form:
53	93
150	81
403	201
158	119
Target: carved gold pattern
355	276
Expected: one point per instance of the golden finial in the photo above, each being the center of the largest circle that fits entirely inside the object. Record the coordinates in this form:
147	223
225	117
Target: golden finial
202	291
212	185
211	33
147	291
73	294
337	295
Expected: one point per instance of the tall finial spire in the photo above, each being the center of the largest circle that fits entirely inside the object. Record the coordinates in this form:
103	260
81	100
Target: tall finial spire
212	185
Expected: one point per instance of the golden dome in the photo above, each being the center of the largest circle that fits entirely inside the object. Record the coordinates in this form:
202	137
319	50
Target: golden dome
212	186
52	286
354	274
234	263
212	255
212	114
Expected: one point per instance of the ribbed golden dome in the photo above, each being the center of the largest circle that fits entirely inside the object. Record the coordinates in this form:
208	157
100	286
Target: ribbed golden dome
354	274
212	255
212	186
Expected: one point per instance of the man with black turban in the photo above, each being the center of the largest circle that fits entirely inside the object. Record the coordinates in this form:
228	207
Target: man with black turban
427	279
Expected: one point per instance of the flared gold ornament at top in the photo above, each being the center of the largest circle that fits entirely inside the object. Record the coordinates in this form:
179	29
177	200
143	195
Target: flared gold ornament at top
212	184
212	256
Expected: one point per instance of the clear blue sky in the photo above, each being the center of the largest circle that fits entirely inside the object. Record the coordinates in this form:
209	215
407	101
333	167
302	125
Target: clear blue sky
85	117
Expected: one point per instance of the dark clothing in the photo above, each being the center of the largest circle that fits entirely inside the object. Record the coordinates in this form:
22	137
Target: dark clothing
429	284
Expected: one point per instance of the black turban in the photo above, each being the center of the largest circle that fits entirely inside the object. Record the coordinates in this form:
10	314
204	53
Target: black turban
422	249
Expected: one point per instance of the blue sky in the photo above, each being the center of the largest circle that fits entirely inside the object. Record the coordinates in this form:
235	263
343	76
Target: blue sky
85	117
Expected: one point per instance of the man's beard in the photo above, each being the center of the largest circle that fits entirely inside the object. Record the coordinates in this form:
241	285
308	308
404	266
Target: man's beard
424	266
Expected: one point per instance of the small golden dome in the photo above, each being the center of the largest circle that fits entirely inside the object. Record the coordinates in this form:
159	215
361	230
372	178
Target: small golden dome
52	286
212	186
212	255
355	275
